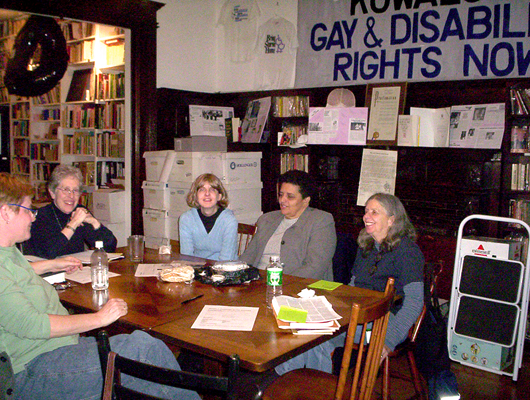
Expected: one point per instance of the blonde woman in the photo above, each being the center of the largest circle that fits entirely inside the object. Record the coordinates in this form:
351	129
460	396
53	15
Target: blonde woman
209	229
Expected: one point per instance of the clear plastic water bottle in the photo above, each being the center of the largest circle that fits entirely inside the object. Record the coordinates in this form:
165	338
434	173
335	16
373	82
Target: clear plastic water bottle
99	268
274	279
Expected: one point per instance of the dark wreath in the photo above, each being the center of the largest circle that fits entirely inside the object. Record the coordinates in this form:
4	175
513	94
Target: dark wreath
25	80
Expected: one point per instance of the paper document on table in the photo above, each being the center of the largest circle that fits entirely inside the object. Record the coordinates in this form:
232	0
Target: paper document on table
225	318
83	275
145	270
318	308
84	256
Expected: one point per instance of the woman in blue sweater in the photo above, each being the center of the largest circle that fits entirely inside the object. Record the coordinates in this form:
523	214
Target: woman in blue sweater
209	229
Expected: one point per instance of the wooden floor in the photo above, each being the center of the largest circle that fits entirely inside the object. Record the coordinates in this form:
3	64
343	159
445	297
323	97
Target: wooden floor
472	383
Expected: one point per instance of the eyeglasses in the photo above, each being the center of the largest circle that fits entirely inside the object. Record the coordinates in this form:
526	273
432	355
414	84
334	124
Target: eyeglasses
32	211
378	258
69	192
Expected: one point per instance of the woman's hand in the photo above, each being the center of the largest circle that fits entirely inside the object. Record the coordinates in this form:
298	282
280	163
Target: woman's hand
80	216
111	311
67	263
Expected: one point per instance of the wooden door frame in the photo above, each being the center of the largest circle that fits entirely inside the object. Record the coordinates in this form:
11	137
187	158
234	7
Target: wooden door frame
140	17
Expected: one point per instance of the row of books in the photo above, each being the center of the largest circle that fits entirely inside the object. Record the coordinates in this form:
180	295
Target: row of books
81	51
21	147
290	161
20	111
48	114
79	116
81	143
10	27
78	30
290	106
45	151
520	100
108	170
20	128
110	144
111	86
42	172
88	169
111	116
519	209
520	139
52	97
20	165
520	178
290	134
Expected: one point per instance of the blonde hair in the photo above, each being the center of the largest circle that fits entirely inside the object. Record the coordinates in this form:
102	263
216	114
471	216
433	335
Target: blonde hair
214	182
13	189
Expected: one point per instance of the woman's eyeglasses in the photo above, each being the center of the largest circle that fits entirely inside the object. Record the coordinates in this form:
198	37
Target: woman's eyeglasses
34	212
75	192
378	258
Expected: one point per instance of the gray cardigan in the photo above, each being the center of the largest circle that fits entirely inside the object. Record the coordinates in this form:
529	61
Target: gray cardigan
307	246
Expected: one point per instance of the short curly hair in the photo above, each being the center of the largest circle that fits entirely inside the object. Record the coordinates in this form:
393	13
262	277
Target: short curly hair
214	182
301	179
63	171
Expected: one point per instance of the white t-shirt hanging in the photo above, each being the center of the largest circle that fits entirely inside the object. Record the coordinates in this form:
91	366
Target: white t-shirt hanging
240	21
276	54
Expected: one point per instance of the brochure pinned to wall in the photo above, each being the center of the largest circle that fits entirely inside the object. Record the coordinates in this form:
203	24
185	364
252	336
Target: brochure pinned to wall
209	120
255	120
378	173
479	126
338	125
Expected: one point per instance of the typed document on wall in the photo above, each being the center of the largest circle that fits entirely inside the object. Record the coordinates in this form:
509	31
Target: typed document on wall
378	174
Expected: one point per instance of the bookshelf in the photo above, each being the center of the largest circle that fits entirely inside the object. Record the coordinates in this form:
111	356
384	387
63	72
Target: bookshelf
82	121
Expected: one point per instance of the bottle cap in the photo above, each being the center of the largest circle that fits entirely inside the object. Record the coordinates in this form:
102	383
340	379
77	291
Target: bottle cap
99	244
274	259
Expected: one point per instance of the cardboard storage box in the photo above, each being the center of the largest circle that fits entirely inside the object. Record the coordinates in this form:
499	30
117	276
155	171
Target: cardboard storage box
178	191
107	205
154	163
174	225
118	229
248	218
504	249
156	195
201	143
244	198
187	166
241	167
156	223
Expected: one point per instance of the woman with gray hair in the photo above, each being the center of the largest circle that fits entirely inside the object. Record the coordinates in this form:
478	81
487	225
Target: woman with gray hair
64	226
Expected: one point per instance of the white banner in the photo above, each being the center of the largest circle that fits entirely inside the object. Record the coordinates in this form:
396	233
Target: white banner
350	42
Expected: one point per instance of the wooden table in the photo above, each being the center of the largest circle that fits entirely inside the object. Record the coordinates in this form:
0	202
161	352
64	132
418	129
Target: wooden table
156	307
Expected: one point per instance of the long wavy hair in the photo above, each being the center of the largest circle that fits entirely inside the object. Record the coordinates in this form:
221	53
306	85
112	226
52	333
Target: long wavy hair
400	228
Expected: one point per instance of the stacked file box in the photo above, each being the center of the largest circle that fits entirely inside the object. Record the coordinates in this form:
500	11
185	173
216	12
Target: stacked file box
169	178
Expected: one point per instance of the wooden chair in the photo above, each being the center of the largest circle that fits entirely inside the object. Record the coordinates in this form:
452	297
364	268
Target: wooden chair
245	232
7	380
310	384
204	384
431	273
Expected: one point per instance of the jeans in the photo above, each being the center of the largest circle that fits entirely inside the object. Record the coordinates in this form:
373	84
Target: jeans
74	372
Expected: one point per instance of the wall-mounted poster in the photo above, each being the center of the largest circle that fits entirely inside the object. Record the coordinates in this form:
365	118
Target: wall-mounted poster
338	125
385	102
255	120
209	120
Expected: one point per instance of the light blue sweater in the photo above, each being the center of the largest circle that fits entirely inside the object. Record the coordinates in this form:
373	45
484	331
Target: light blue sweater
219	244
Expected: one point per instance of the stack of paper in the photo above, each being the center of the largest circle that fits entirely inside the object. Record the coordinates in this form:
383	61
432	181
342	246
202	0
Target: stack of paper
312	316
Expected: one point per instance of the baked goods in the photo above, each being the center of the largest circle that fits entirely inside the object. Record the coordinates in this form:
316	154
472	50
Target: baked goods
179	273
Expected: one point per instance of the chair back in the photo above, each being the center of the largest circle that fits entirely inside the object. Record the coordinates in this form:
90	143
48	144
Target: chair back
7	380
431	273
366	365
224	386
245	232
